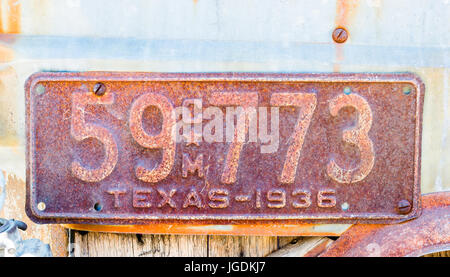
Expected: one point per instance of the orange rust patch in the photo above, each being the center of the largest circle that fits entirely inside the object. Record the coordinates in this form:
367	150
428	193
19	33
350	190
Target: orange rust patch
6	54
200	229
10	21
345	12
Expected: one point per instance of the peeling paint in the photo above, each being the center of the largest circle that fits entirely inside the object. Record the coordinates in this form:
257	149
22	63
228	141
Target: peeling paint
13	208
2	189
8	111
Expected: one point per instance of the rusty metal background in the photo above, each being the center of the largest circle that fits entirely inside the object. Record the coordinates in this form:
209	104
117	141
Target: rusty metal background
389	193
427	234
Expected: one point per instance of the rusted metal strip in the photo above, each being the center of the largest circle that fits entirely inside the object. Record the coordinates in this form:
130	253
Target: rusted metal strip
426	234
225	229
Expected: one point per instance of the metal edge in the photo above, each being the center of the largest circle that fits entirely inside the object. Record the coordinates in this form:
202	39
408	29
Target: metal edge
406	77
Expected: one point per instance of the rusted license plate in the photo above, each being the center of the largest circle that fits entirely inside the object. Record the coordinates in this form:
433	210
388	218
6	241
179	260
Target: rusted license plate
135	148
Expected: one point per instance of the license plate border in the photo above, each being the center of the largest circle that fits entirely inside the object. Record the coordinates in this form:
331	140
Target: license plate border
40	217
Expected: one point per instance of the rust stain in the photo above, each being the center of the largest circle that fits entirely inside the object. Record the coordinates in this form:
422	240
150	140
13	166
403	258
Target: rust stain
14	208
10	24
339	58
346	10
426	234
6	53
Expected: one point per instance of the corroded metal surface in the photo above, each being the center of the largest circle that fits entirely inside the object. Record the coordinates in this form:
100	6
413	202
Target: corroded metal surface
257	229
427	234
349	149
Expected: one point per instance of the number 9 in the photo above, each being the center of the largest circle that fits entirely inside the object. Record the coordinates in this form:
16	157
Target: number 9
163	140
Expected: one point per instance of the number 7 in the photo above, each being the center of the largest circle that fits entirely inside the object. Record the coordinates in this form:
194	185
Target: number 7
307	103
247	99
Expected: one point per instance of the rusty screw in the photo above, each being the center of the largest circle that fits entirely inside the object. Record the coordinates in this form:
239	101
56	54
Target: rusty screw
404	206
99	89
340	35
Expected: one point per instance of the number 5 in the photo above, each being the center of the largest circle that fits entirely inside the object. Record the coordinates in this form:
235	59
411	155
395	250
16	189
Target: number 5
81	130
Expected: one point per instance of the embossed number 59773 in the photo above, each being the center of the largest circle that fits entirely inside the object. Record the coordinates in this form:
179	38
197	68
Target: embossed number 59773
358	136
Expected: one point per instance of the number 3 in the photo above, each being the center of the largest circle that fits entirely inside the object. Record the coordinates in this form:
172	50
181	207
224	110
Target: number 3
357	136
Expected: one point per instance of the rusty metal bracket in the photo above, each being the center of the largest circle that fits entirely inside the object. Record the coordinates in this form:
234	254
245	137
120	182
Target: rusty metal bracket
428	233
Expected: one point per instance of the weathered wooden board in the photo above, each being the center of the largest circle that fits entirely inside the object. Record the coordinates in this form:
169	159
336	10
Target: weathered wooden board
93	244
90	244
303	247
241	246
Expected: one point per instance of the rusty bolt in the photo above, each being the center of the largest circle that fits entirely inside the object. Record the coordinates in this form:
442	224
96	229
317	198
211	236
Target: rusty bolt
99	89
340	35
404	206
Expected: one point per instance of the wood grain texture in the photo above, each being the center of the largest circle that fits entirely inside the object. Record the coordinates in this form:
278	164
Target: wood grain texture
91	244
283	241
303	247
439	254
241	246
171	246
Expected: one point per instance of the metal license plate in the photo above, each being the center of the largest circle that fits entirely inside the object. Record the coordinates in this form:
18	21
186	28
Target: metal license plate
139	148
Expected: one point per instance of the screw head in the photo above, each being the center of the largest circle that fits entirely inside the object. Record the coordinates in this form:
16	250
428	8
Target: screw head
345	206
98	207
40	89
404	206
347	90
407	90
99	89
340	35
41	206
